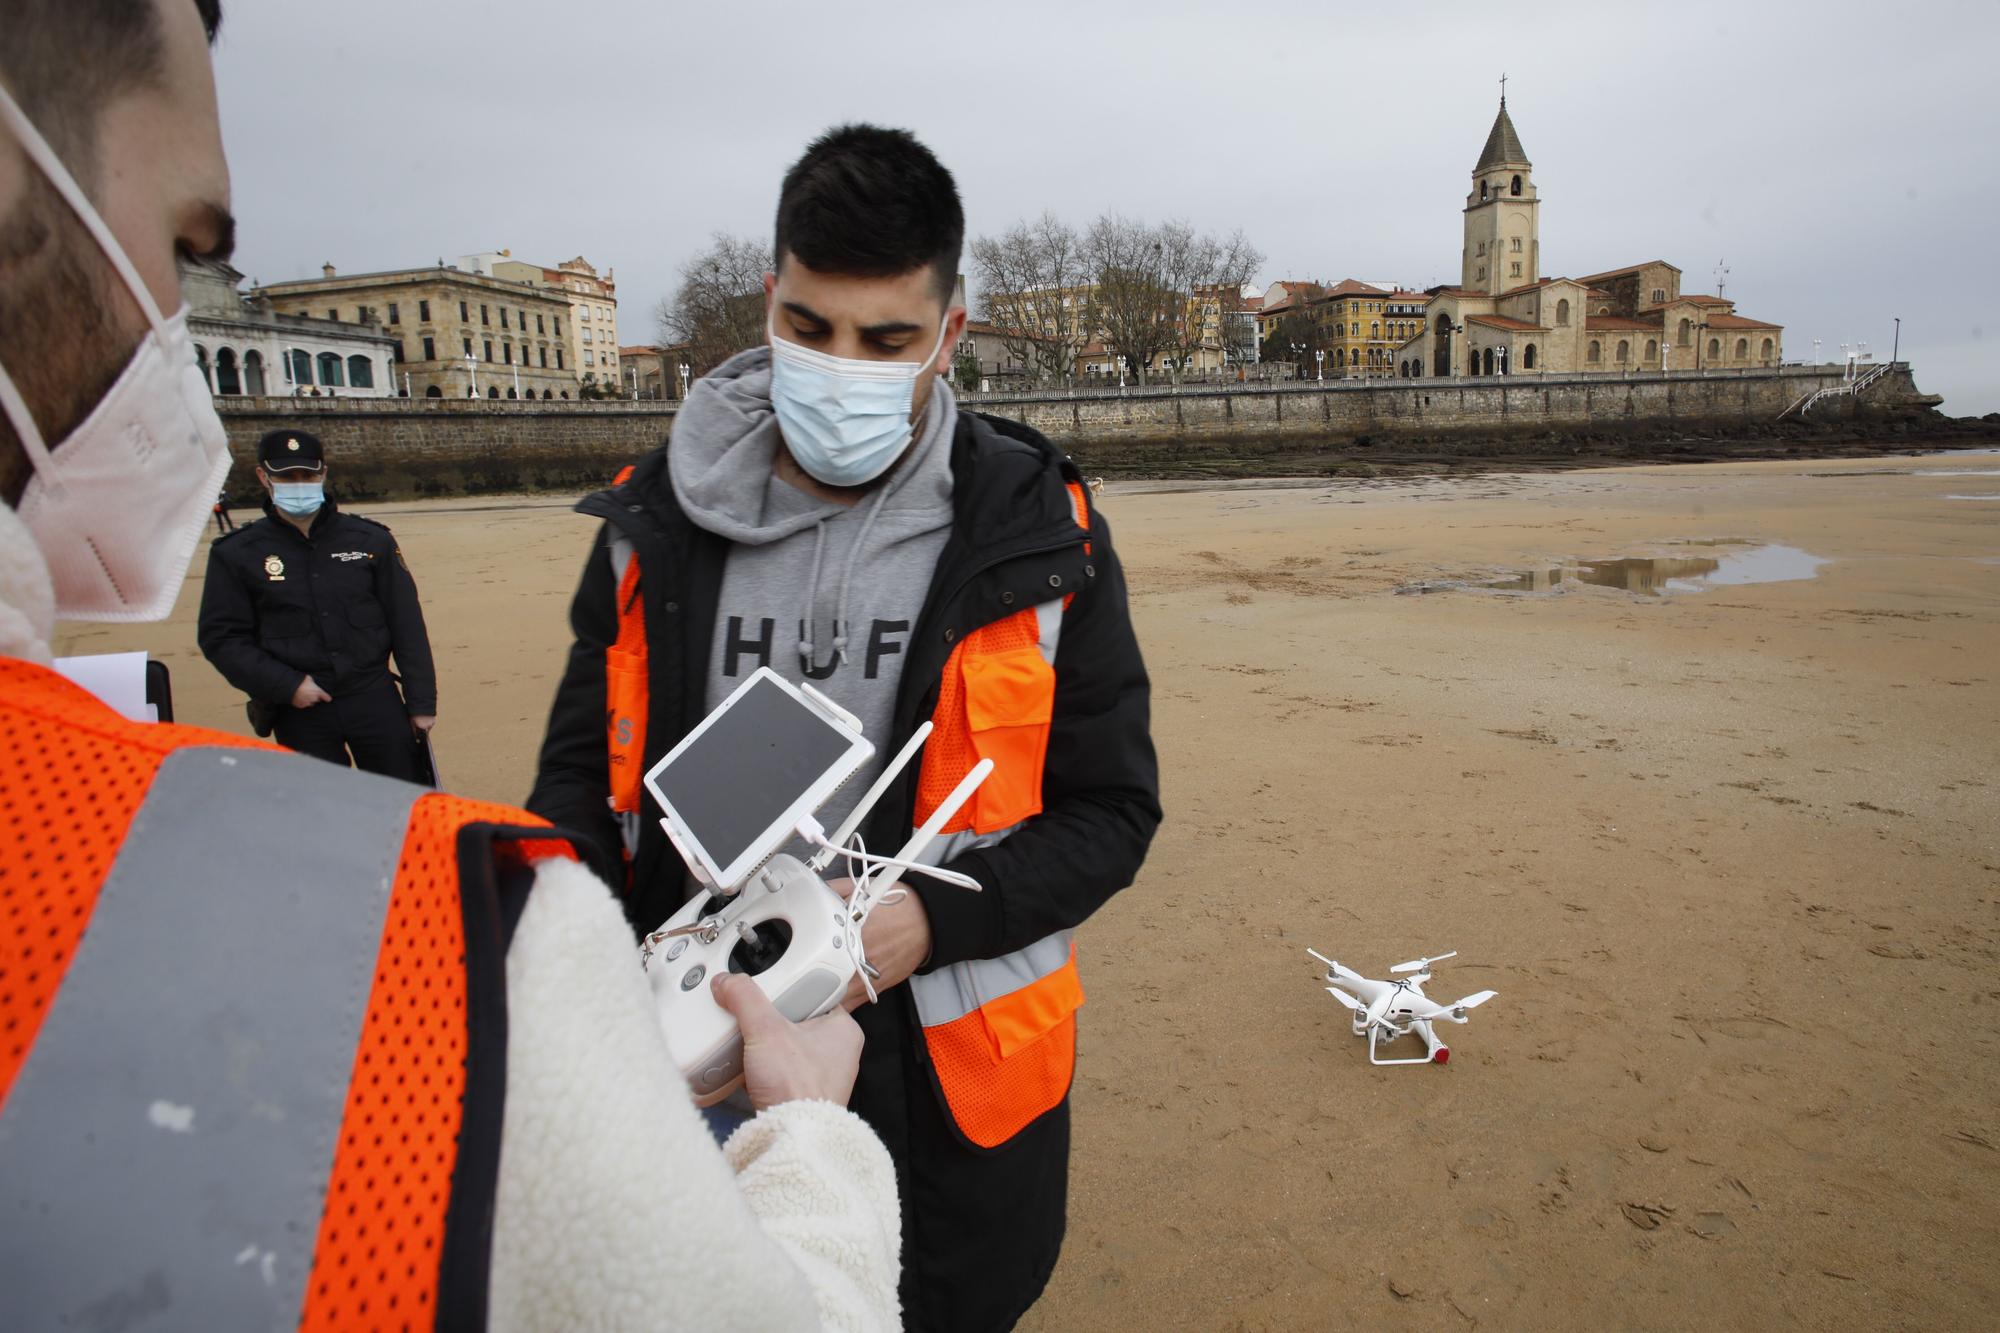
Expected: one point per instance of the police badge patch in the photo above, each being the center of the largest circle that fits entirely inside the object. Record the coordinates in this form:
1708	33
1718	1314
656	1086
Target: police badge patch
274	569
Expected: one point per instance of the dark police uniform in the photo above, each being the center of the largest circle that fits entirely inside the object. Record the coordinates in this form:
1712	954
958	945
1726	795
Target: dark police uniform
334	604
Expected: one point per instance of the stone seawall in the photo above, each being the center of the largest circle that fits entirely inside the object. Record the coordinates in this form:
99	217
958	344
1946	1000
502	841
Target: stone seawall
432	446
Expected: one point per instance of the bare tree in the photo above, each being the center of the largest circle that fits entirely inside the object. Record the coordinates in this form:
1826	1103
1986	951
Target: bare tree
718	309
1162	290
1135	305
1034	290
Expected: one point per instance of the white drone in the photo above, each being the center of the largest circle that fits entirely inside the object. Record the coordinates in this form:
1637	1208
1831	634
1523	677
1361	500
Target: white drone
1386	1010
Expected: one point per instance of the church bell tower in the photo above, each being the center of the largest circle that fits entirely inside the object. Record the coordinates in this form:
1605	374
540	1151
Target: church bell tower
1503	247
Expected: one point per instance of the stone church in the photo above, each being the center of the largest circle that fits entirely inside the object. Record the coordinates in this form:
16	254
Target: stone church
1505	318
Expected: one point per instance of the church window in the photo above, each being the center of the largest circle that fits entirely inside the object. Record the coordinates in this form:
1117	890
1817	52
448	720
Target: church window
1516	247
1594	353
1624	351
1687	332
1482	272
433	392
1482	247
1714	348
1767	349
1742	349
1659	296
1514	269
1562	313
1517	185
1482	191
1528	357
1652	350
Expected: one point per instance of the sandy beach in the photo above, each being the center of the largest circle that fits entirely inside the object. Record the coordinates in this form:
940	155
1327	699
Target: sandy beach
1729	853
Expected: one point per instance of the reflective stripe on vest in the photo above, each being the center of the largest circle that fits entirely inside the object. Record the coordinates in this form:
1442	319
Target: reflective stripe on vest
1001	1032
166	1147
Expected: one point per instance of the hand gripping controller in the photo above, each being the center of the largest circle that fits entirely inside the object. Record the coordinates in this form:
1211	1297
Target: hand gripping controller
787	931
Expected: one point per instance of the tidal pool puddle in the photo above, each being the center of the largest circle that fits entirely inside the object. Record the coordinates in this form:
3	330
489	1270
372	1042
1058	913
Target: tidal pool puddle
1659	575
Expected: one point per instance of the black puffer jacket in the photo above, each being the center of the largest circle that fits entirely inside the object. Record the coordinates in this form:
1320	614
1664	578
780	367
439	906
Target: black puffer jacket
279	605
981	1229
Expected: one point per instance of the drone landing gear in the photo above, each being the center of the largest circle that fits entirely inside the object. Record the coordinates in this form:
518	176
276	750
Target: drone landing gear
1435	1051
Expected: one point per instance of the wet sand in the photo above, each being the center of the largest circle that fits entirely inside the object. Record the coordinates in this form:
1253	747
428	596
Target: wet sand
1731	857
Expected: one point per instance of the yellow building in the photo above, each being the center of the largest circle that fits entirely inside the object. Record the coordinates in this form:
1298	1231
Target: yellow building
593	309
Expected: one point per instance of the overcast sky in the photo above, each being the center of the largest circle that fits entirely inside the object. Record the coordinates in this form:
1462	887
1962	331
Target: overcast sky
1839	156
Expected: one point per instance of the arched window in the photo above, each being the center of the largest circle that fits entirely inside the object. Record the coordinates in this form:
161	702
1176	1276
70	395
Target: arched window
512	394
329	369
1355	332
1686	334
1652	350
1742	349
433	392
1375	328
546	395
1562	313
1517	185
564	394
1767	349
253	374
1482	191
1624	351
1594	353
302	367
227	382
201	359
1528	357
1354	356
360	371
1486	362
1714	348
493	392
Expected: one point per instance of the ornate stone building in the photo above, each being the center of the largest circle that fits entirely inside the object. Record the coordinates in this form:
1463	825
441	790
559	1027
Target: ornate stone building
460	334
1504	318
246	347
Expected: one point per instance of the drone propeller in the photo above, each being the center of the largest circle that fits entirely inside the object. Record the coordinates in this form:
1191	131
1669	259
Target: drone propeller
1456	1010
1346	999
1419	964
1334	969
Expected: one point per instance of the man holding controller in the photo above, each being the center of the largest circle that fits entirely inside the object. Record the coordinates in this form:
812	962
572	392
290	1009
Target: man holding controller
826	510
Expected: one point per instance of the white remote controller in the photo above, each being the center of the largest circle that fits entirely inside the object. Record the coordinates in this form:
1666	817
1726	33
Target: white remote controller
785	929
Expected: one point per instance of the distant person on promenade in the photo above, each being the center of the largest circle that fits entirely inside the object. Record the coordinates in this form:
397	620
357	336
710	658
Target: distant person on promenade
826	510
287	1045
302	610
224	524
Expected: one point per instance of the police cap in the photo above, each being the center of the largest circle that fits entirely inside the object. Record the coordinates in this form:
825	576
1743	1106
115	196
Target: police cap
286	450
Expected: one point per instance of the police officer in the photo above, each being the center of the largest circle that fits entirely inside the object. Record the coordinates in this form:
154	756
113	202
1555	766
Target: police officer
301	611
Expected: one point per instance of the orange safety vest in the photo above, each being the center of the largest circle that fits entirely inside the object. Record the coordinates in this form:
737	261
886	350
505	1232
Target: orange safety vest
625	684
1001	1032
239	1076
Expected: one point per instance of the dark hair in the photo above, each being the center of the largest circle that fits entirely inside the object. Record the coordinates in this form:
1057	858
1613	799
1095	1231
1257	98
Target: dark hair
871	203
64	59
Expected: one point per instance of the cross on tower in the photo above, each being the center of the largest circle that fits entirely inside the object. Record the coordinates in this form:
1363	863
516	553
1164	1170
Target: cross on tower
1503	88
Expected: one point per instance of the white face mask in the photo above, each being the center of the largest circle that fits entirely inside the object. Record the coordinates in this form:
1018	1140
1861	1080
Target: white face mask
117	507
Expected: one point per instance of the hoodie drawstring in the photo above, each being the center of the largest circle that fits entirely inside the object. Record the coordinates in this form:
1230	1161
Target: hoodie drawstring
806	649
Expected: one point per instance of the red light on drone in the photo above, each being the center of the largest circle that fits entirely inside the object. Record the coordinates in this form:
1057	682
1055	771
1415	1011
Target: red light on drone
1444	1053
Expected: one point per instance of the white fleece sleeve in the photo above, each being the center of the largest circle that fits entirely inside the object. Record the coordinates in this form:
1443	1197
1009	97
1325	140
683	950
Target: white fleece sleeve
615	1210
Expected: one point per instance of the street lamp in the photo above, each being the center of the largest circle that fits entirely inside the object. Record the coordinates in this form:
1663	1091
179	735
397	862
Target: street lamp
1320	358
472	369
1896	348
684	379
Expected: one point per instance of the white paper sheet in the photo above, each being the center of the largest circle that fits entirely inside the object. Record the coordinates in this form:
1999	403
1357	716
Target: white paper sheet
117	678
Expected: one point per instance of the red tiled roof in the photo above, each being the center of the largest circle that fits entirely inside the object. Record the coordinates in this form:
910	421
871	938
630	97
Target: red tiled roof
1507	322
1738	322
1611	323
1355	287
1621	272
1705	300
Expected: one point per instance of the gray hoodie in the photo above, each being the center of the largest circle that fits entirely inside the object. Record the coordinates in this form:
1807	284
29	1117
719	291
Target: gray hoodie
816	591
